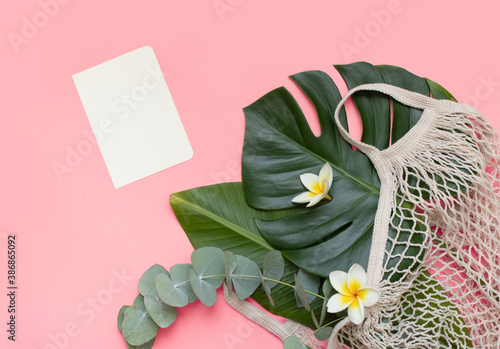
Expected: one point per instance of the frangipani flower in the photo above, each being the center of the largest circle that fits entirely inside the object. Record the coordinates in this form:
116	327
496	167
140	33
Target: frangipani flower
317	186
353	293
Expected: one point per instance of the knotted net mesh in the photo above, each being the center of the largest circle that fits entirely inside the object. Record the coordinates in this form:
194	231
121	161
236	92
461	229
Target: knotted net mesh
440	270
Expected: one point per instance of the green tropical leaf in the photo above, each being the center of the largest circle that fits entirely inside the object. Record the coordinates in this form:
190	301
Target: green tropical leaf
279	146
219	216
438	91
404	117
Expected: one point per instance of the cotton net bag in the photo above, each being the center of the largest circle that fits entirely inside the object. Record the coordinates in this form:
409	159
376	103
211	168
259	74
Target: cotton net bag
439	196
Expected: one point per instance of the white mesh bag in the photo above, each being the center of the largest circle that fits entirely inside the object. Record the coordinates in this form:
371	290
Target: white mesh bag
439	192
439	195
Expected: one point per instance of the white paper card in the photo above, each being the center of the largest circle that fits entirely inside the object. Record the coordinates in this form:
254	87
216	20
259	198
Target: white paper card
133	116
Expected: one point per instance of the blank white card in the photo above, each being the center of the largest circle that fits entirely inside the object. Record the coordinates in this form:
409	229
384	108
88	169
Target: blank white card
133	116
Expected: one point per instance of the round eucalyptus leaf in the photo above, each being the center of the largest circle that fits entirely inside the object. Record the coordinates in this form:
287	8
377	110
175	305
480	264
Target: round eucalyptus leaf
138	328
273	267
323	333
147	281
163	314
301	295
230	265
179	274
327	293
170	294
208	263
310	283
203	288
293	343
121	315
327	288
147	345
139	302
323	311
246	277
266	289
314	319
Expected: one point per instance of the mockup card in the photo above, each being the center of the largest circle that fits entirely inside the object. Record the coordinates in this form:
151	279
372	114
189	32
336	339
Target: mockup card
133	116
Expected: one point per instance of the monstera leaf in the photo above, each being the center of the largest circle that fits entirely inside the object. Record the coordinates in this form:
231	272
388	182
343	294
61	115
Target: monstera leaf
279	146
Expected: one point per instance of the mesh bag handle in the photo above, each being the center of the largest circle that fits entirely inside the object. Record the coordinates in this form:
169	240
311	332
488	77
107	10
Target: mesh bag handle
406	97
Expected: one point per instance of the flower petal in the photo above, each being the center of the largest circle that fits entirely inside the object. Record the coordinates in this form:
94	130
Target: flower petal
326	173
303	197
338	279
356	278
369	296
315	200
339	302
322	187
356	311
310	181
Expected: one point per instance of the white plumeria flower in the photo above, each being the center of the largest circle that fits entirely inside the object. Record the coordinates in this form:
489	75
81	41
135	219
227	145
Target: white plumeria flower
317	186
353	293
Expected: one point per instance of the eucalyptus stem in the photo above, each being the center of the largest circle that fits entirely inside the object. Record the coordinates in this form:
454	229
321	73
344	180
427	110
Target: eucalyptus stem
267	279
161	292
285	284
331	323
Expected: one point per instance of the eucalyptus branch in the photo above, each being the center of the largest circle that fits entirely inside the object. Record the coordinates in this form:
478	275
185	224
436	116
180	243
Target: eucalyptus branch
162	292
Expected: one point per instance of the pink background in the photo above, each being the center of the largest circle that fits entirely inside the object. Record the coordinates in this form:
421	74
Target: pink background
74	235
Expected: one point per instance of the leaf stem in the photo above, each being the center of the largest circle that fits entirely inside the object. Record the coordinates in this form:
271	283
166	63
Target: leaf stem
267	279
285	284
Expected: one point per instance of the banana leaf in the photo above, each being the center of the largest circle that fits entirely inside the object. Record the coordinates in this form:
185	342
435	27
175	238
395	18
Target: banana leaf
218	216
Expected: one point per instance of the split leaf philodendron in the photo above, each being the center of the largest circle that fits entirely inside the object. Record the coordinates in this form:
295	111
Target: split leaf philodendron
241	230
279	147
